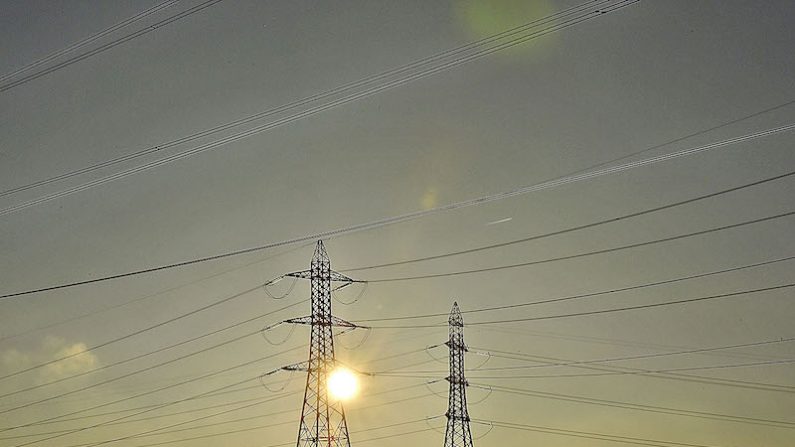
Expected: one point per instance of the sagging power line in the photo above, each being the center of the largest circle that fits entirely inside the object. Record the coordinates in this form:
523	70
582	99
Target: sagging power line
416	214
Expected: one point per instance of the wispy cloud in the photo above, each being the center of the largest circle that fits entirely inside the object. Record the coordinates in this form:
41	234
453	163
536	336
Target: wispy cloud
50	348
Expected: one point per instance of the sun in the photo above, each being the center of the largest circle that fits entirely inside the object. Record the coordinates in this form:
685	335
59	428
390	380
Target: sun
342	384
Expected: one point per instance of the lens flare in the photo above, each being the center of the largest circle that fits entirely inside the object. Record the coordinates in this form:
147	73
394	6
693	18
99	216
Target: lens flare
342	384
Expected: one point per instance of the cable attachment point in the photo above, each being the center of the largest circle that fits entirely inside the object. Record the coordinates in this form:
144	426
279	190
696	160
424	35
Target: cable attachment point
266	329
491	427
483	354
487	388
361	342
270	373
428	352
428	386
358	295
267	285
428	423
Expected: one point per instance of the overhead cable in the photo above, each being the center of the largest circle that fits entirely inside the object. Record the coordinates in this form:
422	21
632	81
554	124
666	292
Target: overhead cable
309	99
416	214
578	227
587	295
157	390
107	46
90	39
518	392
589	253
309	112
588	435
597	312
135	333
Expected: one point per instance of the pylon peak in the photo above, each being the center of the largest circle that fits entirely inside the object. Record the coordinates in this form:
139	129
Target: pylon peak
458	433
320	251
455	316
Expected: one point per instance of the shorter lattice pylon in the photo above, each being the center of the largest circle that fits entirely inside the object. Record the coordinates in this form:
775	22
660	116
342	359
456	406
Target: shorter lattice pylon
457	433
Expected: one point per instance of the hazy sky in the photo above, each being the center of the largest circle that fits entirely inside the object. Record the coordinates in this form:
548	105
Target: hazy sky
623	82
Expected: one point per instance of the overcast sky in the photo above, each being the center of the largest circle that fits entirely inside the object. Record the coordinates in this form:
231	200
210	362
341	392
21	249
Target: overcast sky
619	83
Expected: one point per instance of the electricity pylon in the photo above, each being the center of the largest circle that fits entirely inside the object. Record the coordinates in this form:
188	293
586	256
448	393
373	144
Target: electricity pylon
322	418
457	433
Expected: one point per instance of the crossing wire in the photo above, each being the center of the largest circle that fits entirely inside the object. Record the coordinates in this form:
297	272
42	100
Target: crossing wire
438	275
419	214
311	111
107	46
137	332
323	95
160	430
516	392
586	254
146	354
693	378
105	423
151	296
593	312
578	227
157	390
90	39
587	435
591	294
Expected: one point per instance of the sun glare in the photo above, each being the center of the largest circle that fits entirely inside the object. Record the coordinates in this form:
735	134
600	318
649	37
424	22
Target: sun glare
342	384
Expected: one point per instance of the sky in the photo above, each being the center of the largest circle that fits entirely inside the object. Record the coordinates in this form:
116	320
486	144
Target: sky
649	79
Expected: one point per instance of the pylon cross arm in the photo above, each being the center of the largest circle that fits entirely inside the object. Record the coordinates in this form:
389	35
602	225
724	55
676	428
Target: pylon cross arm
333	276
303	366
333	321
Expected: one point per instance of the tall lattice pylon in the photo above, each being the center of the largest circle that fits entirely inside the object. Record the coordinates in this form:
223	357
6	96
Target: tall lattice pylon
323	421
457	433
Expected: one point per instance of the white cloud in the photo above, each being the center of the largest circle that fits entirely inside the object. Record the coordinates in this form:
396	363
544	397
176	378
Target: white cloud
50	348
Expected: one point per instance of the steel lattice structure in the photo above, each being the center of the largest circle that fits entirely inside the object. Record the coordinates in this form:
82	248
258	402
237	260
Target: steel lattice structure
322	418
458	433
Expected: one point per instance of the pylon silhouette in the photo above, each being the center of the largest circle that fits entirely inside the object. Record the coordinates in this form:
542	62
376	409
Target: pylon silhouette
457	433
322	417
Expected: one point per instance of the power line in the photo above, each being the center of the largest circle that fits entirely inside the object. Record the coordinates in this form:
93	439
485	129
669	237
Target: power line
194	379
649	371
424	316
123	376
134	333
609	341
147	297
601	311
159	431
90	39
620	370
392	425
141	434
193	410
147	418
585	254
515	392
416	214
759	386
513	356
586	434
637	357
162	405
309	99
579	227
154	432
146	354
312	111
630	371
107	46
590	294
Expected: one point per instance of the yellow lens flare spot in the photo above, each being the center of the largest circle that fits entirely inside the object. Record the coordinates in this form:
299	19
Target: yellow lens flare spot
342	384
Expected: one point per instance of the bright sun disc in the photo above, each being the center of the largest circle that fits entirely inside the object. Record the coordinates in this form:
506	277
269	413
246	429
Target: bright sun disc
342	384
